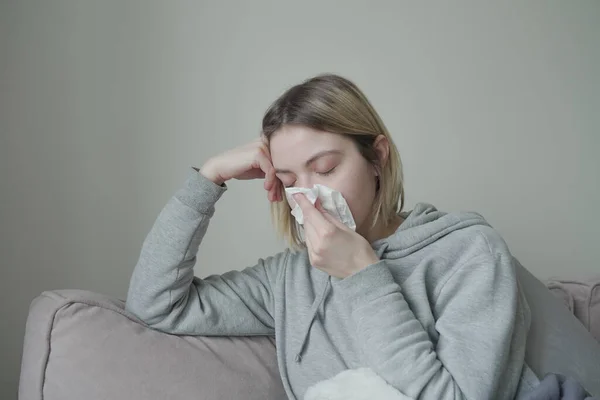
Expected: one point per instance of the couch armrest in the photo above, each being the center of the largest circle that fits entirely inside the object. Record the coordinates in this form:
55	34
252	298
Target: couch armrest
80	344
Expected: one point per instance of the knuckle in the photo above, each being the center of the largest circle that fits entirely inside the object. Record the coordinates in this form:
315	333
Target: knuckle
328	232
318	250
316	260
264	149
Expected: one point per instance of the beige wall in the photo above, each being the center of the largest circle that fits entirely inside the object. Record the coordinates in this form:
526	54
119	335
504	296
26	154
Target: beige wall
495	107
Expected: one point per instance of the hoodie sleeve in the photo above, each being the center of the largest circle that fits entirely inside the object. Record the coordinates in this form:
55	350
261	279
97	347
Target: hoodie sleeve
481	319
163	291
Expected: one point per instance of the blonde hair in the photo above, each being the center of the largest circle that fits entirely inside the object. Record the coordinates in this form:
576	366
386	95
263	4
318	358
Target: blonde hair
334	104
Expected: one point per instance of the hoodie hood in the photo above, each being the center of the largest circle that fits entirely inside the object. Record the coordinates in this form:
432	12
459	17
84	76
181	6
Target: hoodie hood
419	228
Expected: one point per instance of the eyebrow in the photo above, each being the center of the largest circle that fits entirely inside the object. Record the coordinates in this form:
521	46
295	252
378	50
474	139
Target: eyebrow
311	160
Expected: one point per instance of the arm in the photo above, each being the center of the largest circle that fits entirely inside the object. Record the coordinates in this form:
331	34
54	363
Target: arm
163	291
481	321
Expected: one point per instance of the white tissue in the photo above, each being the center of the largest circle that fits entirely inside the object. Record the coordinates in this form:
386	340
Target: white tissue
332	201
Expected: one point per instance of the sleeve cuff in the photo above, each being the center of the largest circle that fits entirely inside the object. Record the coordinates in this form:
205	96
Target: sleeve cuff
199	192
366	284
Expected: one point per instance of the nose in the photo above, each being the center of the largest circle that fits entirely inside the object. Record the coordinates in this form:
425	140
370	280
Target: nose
301	182
304	182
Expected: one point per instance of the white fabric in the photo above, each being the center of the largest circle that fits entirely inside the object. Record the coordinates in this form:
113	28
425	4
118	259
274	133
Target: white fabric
332	201
354	384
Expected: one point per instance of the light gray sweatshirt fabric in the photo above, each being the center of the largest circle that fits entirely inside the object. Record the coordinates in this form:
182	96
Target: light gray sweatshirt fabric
440	316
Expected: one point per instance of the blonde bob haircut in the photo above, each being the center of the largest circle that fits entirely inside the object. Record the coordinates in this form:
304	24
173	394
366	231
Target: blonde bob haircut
334	104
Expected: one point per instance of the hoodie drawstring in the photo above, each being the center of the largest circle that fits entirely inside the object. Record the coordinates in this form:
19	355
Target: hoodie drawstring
312	314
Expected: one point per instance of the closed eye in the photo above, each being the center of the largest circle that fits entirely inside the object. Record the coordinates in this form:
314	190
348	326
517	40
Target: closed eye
327	172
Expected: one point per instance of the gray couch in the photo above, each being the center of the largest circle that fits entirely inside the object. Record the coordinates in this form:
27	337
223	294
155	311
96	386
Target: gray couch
82	345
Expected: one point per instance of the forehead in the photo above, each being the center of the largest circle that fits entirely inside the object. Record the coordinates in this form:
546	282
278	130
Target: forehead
293	145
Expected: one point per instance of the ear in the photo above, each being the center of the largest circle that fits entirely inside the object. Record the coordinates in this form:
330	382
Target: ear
381	145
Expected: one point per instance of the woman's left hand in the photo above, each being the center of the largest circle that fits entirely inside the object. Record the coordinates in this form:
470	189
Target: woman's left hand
332	246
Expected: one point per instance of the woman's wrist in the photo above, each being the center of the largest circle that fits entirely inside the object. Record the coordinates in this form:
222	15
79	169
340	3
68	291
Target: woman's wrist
210	172
363	260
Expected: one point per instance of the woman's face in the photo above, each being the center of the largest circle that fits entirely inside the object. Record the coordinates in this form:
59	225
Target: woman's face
303	157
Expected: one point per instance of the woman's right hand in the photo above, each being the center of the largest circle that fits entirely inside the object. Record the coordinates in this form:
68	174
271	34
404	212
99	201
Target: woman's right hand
250	161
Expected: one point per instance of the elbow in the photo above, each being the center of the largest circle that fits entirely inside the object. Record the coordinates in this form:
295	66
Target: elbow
146	314
167	320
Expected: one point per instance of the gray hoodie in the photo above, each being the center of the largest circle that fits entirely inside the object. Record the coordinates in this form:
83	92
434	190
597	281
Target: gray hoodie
440	316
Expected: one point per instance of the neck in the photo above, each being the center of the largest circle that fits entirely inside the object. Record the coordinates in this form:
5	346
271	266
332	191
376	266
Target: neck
381	230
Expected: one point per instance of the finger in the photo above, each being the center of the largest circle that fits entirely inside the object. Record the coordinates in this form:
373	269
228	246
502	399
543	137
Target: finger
272	174
273	184
309	229
310	213
263	139
267	152
328	215
255	173
265	165
319	205
311	238
276	189
310	235
273	192
308	243
279	190
270	179
325	213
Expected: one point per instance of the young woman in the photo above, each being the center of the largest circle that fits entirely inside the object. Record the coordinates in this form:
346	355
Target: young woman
428	300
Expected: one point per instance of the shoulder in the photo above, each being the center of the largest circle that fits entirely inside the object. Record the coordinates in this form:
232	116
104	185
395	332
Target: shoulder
458	232
478	241
480	254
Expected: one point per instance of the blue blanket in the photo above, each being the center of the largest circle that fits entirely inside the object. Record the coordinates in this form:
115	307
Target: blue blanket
558	387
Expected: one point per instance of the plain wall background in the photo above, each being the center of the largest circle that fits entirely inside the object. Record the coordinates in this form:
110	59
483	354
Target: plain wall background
495	107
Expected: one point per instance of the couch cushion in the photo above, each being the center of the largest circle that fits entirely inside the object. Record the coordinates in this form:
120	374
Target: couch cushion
557	341
582	299
99	351
81	345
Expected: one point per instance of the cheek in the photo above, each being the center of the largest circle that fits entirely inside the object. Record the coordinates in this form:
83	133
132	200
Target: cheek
359	194
360	203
